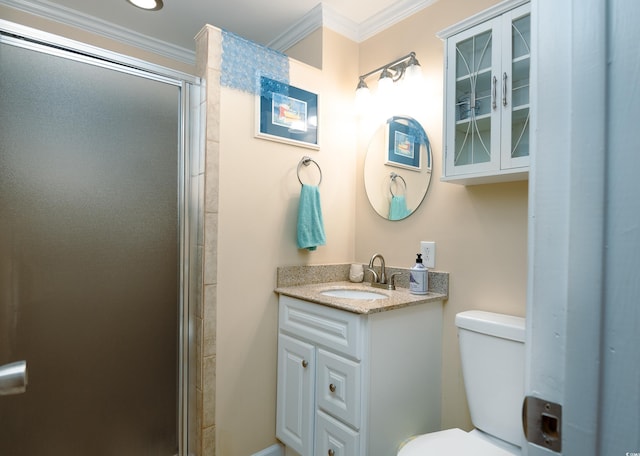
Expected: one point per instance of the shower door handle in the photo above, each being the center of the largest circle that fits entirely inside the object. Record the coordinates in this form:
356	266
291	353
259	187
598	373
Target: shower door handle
13	378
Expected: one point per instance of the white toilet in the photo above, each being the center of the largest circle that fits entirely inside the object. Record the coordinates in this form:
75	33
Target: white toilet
492	354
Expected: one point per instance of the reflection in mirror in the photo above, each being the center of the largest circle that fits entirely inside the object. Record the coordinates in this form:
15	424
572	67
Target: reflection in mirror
397	168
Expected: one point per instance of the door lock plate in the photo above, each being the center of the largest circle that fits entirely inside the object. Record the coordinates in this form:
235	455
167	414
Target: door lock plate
542	423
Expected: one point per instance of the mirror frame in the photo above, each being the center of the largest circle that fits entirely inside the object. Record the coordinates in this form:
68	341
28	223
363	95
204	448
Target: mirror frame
396	178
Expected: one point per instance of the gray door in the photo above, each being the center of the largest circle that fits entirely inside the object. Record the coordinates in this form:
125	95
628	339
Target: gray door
89	257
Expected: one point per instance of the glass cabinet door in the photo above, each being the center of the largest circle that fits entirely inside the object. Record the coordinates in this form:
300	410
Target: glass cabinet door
487	98
476	117
516	68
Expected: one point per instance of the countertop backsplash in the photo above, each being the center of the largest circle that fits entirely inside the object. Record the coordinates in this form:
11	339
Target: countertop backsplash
289	276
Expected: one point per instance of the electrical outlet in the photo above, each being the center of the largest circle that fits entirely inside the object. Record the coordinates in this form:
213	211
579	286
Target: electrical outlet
428	250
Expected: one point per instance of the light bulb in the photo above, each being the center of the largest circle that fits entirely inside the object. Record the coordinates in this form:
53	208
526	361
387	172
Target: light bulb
150	5
413	73
385	99
385	86
363	100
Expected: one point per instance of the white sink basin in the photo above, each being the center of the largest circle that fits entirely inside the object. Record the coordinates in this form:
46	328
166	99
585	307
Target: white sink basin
353	294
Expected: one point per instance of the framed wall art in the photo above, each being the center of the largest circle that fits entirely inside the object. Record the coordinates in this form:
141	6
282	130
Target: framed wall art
286	114
403	142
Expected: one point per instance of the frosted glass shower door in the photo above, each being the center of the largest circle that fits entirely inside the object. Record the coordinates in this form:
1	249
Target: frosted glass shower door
89	257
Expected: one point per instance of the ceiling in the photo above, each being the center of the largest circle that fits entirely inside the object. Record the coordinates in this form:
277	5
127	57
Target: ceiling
179	21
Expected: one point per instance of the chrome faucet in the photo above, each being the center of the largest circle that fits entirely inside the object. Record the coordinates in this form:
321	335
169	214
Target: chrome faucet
383	273
381	280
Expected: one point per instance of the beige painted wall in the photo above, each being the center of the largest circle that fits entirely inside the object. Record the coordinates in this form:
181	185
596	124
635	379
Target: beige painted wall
309	50
480	231
258	198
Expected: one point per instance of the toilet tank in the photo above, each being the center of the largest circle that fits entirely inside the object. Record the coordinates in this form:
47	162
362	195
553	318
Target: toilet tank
492	355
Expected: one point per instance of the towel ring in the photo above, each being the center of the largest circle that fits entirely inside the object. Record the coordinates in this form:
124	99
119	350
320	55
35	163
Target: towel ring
305	161
393	177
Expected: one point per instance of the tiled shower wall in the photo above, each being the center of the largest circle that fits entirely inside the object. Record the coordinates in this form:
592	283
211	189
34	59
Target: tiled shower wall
202	421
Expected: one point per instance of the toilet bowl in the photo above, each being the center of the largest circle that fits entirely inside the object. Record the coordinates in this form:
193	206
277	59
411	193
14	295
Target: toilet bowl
456	441
492	356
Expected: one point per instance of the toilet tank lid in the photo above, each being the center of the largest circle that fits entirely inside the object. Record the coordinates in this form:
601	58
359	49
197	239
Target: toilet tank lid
493	324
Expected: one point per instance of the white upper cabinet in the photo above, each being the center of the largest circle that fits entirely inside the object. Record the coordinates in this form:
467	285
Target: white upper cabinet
488	61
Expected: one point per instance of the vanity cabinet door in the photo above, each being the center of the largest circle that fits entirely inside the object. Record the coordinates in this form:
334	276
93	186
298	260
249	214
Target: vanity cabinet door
295	394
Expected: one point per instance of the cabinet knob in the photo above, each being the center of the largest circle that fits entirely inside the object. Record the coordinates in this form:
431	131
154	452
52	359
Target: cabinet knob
332	388
305	363
331	453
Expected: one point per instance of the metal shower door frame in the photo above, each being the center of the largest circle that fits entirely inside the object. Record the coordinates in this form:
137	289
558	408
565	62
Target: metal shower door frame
189	155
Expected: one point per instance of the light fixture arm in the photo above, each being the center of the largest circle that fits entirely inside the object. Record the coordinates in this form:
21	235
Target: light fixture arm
397	66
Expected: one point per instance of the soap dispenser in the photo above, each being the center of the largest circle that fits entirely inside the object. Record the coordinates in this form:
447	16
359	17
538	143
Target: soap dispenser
419	277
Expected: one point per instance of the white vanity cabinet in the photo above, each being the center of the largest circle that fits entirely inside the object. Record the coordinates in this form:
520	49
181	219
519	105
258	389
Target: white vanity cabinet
353	384
487	80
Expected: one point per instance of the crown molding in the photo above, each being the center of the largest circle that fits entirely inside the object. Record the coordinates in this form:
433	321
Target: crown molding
340	24
67	16
324	16
320	16
482	16
391	16
309	23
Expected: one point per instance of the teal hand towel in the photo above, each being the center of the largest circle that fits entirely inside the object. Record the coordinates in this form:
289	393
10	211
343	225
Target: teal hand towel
398	208
310	224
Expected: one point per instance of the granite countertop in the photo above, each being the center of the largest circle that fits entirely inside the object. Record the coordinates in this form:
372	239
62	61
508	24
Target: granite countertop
398	298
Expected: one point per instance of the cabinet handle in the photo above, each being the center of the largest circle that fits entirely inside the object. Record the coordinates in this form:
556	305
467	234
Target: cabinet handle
331	453
332	388
305	363
504	89
495	94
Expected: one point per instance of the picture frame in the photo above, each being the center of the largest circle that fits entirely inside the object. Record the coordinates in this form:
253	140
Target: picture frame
286	114
403	144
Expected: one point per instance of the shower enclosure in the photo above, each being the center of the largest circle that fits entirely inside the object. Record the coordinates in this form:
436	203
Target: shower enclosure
93	243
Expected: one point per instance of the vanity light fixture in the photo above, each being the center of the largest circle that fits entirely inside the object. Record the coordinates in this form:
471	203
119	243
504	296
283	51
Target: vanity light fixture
149	5
407	66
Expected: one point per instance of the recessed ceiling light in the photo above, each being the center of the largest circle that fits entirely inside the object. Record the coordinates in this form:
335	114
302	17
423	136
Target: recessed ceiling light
149	5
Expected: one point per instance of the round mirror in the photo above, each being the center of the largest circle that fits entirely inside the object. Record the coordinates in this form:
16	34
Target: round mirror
397	168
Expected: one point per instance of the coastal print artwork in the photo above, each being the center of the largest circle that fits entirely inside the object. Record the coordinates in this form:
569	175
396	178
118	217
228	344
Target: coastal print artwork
287	114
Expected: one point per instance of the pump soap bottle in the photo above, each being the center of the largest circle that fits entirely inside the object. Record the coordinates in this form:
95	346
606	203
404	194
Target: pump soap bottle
419	277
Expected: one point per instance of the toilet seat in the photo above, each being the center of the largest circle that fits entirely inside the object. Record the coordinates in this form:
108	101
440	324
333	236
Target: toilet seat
453	442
